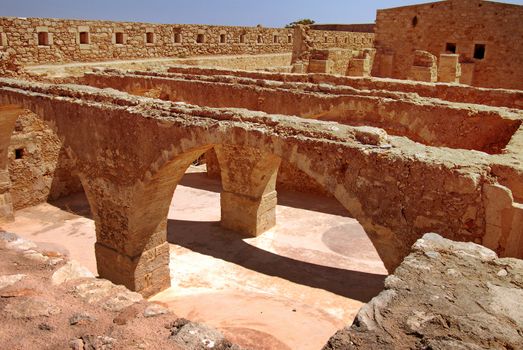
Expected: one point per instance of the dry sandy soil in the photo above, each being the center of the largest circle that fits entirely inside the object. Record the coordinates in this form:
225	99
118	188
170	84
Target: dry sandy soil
307	276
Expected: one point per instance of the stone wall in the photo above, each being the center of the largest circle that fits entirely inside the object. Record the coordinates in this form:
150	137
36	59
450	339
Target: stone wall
324	39
39	169
41	40
448	92
455	25
360	28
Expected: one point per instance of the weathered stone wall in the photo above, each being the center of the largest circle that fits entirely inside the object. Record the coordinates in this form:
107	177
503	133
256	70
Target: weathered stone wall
462	24
448	92
481	128
81	40
39	169
360	28
324	39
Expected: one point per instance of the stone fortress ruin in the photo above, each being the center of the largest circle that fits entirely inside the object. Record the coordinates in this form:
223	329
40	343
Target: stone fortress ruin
413	124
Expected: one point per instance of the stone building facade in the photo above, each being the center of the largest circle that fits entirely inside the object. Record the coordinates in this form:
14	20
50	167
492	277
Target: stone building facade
486	35
43	40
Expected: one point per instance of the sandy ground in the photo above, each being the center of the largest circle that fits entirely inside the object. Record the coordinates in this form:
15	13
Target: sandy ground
290	288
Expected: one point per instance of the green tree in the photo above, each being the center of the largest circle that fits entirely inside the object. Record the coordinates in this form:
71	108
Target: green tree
305	21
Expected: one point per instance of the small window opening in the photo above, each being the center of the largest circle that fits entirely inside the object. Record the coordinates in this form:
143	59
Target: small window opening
326	39
450	48
84	38
479	51
19	153
242	38
177	38
289	39
275	39
149	36
43	39
222	38
346	40
200	38
119	38
259	40
415	21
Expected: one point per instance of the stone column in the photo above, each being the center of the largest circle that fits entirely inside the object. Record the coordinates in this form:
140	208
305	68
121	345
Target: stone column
449	70
130	214
8	116
248	200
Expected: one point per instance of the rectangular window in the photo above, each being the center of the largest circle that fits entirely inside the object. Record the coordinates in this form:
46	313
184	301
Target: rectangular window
259	40
326	39
19	153
222	38
242	38
119	38
479	51
84	37
43	39
289	39
450	48
177	38
275	39
200	38
149	36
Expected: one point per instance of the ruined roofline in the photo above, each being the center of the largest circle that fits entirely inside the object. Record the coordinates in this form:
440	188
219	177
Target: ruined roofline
169	111
364	138
104	21
311	88
424	4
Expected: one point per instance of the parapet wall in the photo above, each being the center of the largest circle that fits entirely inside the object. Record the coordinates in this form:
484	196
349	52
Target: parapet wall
324	39
42	40
45	40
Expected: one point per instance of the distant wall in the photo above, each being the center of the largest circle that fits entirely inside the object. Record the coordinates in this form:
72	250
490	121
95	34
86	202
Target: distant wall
324	39
40	40
455	25
362	28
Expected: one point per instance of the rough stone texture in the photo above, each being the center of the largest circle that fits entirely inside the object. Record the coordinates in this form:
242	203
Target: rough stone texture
195	336
376	176
424	67
465	23
448	92
397	113
445	295
41	315
9	280
70	271
64	43
43	170
31	307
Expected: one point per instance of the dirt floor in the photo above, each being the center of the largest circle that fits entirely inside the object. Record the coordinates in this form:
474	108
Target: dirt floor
290	288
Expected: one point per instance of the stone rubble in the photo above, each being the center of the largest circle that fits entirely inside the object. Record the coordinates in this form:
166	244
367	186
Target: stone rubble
445	295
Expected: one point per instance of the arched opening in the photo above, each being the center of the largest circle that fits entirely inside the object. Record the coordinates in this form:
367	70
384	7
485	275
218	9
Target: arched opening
316	258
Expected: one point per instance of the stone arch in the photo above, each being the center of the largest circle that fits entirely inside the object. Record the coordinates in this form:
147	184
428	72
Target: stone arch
382	237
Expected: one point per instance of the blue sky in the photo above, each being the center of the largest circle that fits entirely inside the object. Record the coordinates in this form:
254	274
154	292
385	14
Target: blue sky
269	13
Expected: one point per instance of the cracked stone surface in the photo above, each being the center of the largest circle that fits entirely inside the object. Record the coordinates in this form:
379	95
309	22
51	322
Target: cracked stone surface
445	295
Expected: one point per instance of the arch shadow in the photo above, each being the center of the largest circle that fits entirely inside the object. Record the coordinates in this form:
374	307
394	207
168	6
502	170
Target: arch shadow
209	238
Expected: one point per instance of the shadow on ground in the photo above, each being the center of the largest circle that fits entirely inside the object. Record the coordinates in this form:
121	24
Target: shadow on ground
211	239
